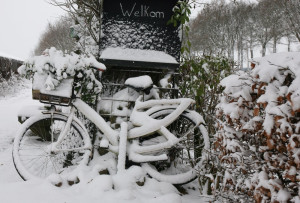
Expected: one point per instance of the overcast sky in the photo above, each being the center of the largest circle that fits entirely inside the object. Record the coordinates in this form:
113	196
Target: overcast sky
23	21
21	24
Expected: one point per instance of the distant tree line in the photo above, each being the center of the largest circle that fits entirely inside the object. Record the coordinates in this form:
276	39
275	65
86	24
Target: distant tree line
57	34
234	29
8	66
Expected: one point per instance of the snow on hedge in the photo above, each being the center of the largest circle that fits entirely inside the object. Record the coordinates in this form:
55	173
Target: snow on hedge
259	129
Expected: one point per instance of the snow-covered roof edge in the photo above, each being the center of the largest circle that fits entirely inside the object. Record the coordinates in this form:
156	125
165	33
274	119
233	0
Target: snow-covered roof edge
137	55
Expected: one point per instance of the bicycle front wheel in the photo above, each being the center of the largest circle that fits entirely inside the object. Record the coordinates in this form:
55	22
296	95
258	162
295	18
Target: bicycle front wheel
31	155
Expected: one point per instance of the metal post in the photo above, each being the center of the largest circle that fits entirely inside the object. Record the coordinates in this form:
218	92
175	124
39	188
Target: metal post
100	25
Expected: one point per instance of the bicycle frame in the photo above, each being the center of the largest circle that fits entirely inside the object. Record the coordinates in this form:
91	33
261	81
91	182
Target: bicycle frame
141	118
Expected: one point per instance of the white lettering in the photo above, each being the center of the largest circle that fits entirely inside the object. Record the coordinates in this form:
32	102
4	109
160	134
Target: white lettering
160	14
144	12
137	14
126	12
152	14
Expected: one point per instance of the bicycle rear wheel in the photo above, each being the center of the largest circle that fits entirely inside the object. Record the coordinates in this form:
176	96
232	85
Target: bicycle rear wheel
31	155
184	157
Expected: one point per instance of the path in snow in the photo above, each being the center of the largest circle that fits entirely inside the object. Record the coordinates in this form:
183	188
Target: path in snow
10	105
9	108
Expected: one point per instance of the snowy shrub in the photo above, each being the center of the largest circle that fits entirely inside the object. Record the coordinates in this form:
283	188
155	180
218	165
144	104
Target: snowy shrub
12	85
258	138
86	24
58	66
200	80
87	33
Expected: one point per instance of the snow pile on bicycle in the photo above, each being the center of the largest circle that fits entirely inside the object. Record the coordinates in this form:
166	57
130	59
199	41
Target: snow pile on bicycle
163	139
53	67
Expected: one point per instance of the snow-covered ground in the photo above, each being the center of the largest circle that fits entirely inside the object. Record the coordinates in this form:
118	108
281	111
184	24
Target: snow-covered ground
10	104
92	188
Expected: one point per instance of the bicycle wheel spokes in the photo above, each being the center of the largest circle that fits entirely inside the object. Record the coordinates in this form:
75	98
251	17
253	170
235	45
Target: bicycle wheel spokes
34	153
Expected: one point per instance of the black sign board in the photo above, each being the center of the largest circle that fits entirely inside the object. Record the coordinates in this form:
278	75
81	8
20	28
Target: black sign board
140	25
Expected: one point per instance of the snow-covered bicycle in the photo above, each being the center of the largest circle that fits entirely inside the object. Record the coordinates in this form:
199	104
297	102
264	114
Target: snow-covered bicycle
164	137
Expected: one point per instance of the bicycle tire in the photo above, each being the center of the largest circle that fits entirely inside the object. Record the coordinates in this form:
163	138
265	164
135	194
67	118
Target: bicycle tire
30	156
180	168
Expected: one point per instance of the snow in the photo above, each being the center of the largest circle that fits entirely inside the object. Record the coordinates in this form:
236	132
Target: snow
283	196
139	158
274	68
292	138
52	86
270	95
137	55
292	171
143	82
9	108
268	110
53	67
171	141
268	123
92	187
237	85
10	105
206	138
122	147
93	116
98	189
118	104
231	109
165	81
149	125
174	179
12	86
10	56
269	65
30	110
137	35
104	143
54	179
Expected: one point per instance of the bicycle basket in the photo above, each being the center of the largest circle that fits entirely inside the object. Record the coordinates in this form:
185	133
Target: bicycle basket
61	95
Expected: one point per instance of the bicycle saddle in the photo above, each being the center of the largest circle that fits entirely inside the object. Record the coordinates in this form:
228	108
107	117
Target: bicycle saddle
141	83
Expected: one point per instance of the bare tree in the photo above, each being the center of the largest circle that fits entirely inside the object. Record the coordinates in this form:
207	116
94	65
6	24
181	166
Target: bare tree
221	29
292	15
87	17
57	35
212	31
240	17
235	27
262	25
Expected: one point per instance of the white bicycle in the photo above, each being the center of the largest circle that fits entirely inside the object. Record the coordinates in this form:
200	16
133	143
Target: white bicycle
166	139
